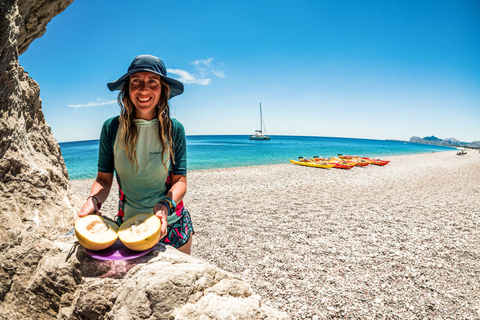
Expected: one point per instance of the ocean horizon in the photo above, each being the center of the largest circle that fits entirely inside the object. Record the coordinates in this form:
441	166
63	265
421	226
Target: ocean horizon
227	151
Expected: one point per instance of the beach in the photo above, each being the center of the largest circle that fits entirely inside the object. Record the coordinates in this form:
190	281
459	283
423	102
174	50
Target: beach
394	242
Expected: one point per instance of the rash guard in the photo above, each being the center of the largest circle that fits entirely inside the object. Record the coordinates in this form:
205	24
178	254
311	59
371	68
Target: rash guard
144	185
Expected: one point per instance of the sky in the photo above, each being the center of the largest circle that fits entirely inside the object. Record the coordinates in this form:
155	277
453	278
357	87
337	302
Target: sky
357	69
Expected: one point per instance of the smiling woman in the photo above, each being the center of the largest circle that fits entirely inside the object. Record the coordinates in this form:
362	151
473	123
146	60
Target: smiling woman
146	149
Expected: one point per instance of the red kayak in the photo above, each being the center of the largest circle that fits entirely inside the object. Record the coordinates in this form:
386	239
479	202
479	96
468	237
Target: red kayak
379	162
376	162
339	165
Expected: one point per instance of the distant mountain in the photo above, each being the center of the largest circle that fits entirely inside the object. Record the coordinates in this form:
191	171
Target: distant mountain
449	142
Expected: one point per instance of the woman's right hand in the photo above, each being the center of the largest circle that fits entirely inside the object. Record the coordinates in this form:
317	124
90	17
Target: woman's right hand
88	208
100	190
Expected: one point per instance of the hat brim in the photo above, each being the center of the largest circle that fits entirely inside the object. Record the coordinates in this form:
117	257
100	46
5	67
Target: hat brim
176	87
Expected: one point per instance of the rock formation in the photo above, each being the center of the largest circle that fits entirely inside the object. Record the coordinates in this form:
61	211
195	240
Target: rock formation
45	275
448	142
66	283
34	193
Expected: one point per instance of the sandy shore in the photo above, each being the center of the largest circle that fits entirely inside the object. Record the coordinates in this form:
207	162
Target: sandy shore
394	242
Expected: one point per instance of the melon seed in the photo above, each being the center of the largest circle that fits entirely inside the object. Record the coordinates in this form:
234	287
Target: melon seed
97	226
139	228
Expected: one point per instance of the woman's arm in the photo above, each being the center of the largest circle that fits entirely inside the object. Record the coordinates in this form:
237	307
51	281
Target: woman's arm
176	193
178	189
100	190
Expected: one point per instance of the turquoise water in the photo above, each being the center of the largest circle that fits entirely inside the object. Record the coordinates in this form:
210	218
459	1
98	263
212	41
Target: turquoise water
213	152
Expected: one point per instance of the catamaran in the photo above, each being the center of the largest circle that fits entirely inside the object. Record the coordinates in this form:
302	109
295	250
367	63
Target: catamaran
258	135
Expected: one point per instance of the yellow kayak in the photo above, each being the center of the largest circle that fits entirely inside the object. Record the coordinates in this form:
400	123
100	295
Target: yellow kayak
313	164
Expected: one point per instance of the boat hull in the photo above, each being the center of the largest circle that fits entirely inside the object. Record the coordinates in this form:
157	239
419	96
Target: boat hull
259	138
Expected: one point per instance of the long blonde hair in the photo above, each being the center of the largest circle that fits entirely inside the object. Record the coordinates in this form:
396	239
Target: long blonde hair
129	129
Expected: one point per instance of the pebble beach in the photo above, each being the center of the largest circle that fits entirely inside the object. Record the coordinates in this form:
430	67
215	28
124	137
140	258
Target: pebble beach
395	242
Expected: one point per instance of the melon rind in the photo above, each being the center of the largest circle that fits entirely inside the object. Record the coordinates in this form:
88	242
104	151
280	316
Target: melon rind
96	241
144	239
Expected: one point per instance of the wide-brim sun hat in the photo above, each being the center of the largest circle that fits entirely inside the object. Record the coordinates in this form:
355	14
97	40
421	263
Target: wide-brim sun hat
151	64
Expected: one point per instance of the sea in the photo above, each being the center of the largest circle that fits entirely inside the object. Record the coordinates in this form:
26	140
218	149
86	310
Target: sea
227	151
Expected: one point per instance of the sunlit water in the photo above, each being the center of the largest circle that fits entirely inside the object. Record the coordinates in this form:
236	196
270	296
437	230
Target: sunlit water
213	152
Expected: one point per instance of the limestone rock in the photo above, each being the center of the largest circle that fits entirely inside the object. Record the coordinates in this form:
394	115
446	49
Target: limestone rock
34	190
57	280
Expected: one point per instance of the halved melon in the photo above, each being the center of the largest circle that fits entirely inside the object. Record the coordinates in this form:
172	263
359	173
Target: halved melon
95	232
140	232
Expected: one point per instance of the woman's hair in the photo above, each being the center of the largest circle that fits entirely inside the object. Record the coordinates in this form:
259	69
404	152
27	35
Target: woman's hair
129	129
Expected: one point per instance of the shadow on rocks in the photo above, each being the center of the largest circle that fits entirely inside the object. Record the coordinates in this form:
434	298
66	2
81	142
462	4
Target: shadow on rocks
113	269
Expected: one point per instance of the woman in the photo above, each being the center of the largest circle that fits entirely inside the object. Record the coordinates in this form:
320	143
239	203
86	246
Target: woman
147	151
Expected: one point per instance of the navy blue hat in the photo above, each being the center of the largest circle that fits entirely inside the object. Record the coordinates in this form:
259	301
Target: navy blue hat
150	64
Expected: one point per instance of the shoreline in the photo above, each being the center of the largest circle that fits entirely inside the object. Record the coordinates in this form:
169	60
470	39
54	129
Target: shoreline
399	241
287	163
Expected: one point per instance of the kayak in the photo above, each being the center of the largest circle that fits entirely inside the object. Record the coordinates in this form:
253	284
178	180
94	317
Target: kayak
377	162
338	164
352	162
313	164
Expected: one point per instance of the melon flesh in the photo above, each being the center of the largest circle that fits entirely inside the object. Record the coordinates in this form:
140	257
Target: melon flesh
95	232
140	232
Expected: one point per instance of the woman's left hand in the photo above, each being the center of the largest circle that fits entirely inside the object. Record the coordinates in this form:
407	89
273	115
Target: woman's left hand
161	211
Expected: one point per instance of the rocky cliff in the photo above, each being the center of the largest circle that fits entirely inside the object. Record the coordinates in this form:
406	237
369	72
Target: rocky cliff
45	275
34	193
449	142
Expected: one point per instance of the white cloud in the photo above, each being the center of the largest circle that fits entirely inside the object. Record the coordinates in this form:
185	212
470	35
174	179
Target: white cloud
99	102
207	62
219	73
204	82
202	76
187	77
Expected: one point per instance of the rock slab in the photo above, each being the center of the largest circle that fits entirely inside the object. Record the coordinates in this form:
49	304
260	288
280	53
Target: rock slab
58	280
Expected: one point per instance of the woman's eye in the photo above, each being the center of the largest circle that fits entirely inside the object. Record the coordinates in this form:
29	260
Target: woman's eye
153	83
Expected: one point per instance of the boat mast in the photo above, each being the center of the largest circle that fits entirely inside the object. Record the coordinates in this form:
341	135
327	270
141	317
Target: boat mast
261	119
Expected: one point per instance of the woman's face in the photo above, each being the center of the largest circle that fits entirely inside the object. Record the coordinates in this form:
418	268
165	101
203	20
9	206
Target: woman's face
145	89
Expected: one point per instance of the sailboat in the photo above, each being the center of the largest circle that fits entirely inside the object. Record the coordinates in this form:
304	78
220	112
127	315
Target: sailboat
258	135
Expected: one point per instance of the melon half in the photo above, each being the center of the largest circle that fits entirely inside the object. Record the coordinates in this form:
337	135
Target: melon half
140	232
95	232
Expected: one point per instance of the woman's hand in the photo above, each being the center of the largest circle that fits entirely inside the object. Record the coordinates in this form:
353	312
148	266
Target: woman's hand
88	208
161	211
99	193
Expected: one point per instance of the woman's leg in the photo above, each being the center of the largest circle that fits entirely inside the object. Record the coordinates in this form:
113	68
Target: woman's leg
187	247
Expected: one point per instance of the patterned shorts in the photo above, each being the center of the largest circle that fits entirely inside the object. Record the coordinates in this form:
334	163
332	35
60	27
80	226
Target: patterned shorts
178	233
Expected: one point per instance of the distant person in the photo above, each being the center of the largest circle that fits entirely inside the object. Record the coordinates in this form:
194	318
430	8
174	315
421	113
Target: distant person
147	151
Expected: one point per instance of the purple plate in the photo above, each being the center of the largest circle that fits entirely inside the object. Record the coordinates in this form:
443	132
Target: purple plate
117	251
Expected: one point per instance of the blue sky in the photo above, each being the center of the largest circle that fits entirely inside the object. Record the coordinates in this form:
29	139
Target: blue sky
360	69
